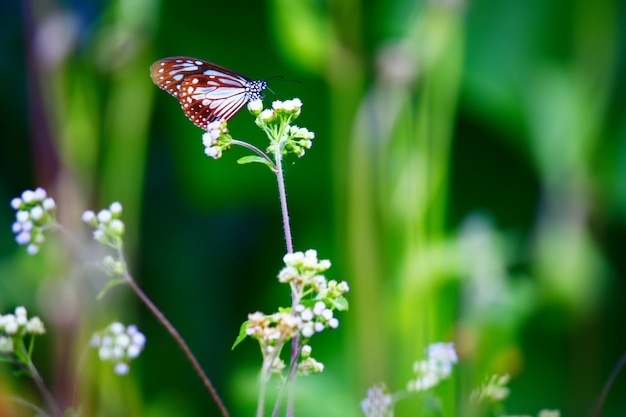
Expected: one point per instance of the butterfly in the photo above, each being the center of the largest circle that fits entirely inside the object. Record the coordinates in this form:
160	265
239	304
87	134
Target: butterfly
207	92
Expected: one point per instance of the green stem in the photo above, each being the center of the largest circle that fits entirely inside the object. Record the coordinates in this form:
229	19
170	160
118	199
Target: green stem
255	150
174	333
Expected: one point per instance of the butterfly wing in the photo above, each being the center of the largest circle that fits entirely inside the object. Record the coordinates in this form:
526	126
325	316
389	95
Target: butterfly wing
206	91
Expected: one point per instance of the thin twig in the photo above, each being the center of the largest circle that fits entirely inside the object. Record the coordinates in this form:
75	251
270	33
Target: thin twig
177	337
609	383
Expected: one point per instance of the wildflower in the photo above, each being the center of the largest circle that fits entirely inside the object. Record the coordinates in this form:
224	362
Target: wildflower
34	213
255	107
436	367
109	228
267	115
119	344
14	327
378	402
216	139
310	366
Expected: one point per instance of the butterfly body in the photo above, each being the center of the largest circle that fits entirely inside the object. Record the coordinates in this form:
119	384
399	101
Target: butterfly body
207	92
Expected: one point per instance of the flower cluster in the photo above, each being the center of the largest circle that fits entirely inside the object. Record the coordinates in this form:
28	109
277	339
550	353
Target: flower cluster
378	402
35	212
315	300
119	344
109	227
14	327
216	139
436	367
494	389
293	139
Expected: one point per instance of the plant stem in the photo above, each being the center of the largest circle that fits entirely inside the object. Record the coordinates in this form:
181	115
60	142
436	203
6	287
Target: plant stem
54	407
177	337
283	196
618	367
285	214
255	150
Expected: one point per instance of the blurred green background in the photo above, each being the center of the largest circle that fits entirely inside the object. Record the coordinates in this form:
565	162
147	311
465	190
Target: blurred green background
467	180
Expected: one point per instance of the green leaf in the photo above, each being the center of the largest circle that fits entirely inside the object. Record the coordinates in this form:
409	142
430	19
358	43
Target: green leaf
242	334
112	283
252	159
340	303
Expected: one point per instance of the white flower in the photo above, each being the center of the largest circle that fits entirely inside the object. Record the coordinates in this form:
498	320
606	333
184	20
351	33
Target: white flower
105	352
36	213
133	351
307	315
333	323
123	340
48	204
6	344
255	106
377	403
267	115
116	328
307	330
16	203
39	194
35	326
28	196
306	350
212	151
318	308
122	368
99	235
115	208
88	216
22	216
104	216
208	140
23	238
117	226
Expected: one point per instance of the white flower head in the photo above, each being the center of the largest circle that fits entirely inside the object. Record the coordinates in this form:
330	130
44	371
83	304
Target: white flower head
115	208
39	194
122	368
104	216
28	196
16	203
255	106
88	216
48	204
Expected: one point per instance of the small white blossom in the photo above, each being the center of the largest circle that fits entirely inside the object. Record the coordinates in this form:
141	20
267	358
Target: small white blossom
255	106
377	403
267	115
117	226
16	203
307	315
212	151
28	196
39	194
119	344
23	238
88	216
48	204
122	368
36	213
116	208
22	216
116	328
104	216
6	344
